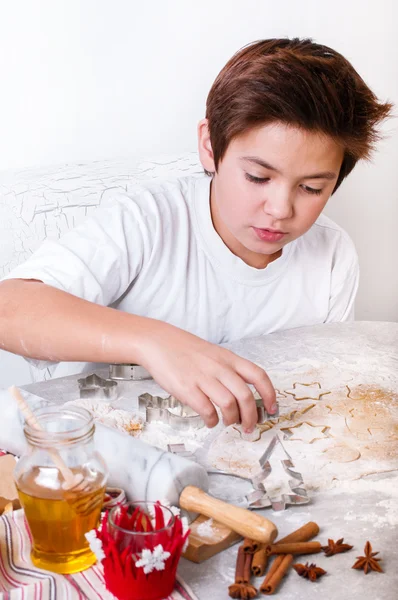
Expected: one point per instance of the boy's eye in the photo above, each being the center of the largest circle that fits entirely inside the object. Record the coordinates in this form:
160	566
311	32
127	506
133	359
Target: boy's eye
260	180
310	190
255	179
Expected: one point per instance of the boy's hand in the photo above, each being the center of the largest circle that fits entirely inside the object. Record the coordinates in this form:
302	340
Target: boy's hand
202	374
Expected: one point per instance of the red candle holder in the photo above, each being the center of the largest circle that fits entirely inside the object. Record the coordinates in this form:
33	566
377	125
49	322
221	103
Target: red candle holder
142	544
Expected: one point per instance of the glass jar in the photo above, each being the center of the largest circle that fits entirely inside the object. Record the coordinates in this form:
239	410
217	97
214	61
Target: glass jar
60	514
123	577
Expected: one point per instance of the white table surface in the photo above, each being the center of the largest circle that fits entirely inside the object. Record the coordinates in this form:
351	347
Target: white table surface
358	517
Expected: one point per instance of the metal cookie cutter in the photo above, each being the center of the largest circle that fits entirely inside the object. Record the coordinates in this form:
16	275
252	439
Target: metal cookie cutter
259	498
128	372
262	414
181	451
170	412
97	387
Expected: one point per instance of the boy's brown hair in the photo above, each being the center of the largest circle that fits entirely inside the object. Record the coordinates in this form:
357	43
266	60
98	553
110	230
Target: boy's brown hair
300	83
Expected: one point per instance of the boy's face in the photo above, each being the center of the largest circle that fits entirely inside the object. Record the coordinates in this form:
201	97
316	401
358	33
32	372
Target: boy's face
270	187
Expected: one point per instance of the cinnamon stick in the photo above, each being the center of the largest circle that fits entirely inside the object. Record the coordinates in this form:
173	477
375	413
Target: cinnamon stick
240	565
242	588
294	548
250	546
283	562
303	534
274	567
247	568
260	561
276	574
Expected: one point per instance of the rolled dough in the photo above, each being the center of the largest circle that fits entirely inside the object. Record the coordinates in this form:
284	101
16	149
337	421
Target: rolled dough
345	430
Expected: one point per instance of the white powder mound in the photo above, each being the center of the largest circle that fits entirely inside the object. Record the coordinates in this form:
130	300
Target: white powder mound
117	418
205	529
160	435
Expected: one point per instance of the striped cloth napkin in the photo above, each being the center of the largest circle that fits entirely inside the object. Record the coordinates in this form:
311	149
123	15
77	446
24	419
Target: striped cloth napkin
21	580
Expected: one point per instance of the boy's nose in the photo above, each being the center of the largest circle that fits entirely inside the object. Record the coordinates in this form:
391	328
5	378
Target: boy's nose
279	205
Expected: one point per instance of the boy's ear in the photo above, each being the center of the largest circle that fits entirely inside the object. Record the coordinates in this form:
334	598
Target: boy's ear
204	147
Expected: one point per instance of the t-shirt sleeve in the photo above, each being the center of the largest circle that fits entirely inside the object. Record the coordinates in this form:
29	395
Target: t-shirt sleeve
98	260
344	282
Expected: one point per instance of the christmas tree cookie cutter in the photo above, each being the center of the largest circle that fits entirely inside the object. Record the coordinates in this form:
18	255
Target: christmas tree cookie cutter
169	411
259	497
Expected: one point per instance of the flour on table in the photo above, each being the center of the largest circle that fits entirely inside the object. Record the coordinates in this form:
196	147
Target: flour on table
103	412
206	529
160	435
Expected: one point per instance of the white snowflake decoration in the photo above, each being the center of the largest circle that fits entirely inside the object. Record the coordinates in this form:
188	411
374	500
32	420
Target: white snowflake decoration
153	560
95	545
164	505
175	510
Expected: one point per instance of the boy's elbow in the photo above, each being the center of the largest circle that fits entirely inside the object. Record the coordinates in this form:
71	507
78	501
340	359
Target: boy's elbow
12	294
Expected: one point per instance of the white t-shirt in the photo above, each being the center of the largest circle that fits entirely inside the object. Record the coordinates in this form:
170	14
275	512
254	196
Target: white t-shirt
157	254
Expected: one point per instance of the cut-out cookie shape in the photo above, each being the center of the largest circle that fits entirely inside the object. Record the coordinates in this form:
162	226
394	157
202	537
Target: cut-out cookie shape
307	391
256	434
305	432
342	454
261	428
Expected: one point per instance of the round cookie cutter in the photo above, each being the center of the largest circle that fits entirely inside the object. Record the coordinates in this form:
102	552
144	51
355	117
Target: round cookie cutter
169	411
129	372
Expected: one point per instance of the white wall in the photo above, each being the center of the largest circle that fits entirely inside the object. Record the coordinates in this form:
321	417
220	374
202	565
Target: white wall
89	79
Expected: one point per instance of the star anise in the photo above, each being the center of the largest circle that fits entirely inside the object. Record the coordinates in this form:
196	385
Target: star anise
335	547
309	571
368	562
244	591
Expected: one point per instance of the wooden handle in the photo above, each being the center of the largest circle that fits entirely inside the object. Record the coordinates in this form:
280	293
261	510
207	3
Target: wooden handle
31	420
244	522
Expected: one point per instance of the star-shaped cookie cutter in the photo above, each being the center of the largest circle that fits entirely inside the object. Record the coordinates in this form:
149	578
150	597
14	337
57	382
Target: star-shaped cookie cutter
94	386
259	498
169	411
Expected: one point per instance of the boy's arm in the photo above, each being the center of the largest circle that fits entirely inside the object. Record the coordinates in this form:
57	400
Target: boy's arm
42	322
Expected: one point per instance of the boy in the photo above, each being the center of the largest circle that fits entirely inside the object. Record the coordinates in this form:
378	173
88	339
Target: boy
161	277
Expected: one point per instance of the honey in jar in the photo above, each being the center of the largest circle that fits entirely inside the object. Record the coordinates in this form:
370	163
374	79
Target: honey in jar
59	518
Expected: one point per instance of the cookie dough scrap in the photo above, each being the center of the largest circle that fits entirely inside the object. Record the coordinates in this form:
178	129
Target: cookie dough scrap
307	391
371	413
371	393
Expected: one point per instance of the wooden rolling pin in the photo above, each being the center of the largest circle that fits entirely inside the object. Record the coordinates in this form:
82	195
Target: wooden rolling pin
246	523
